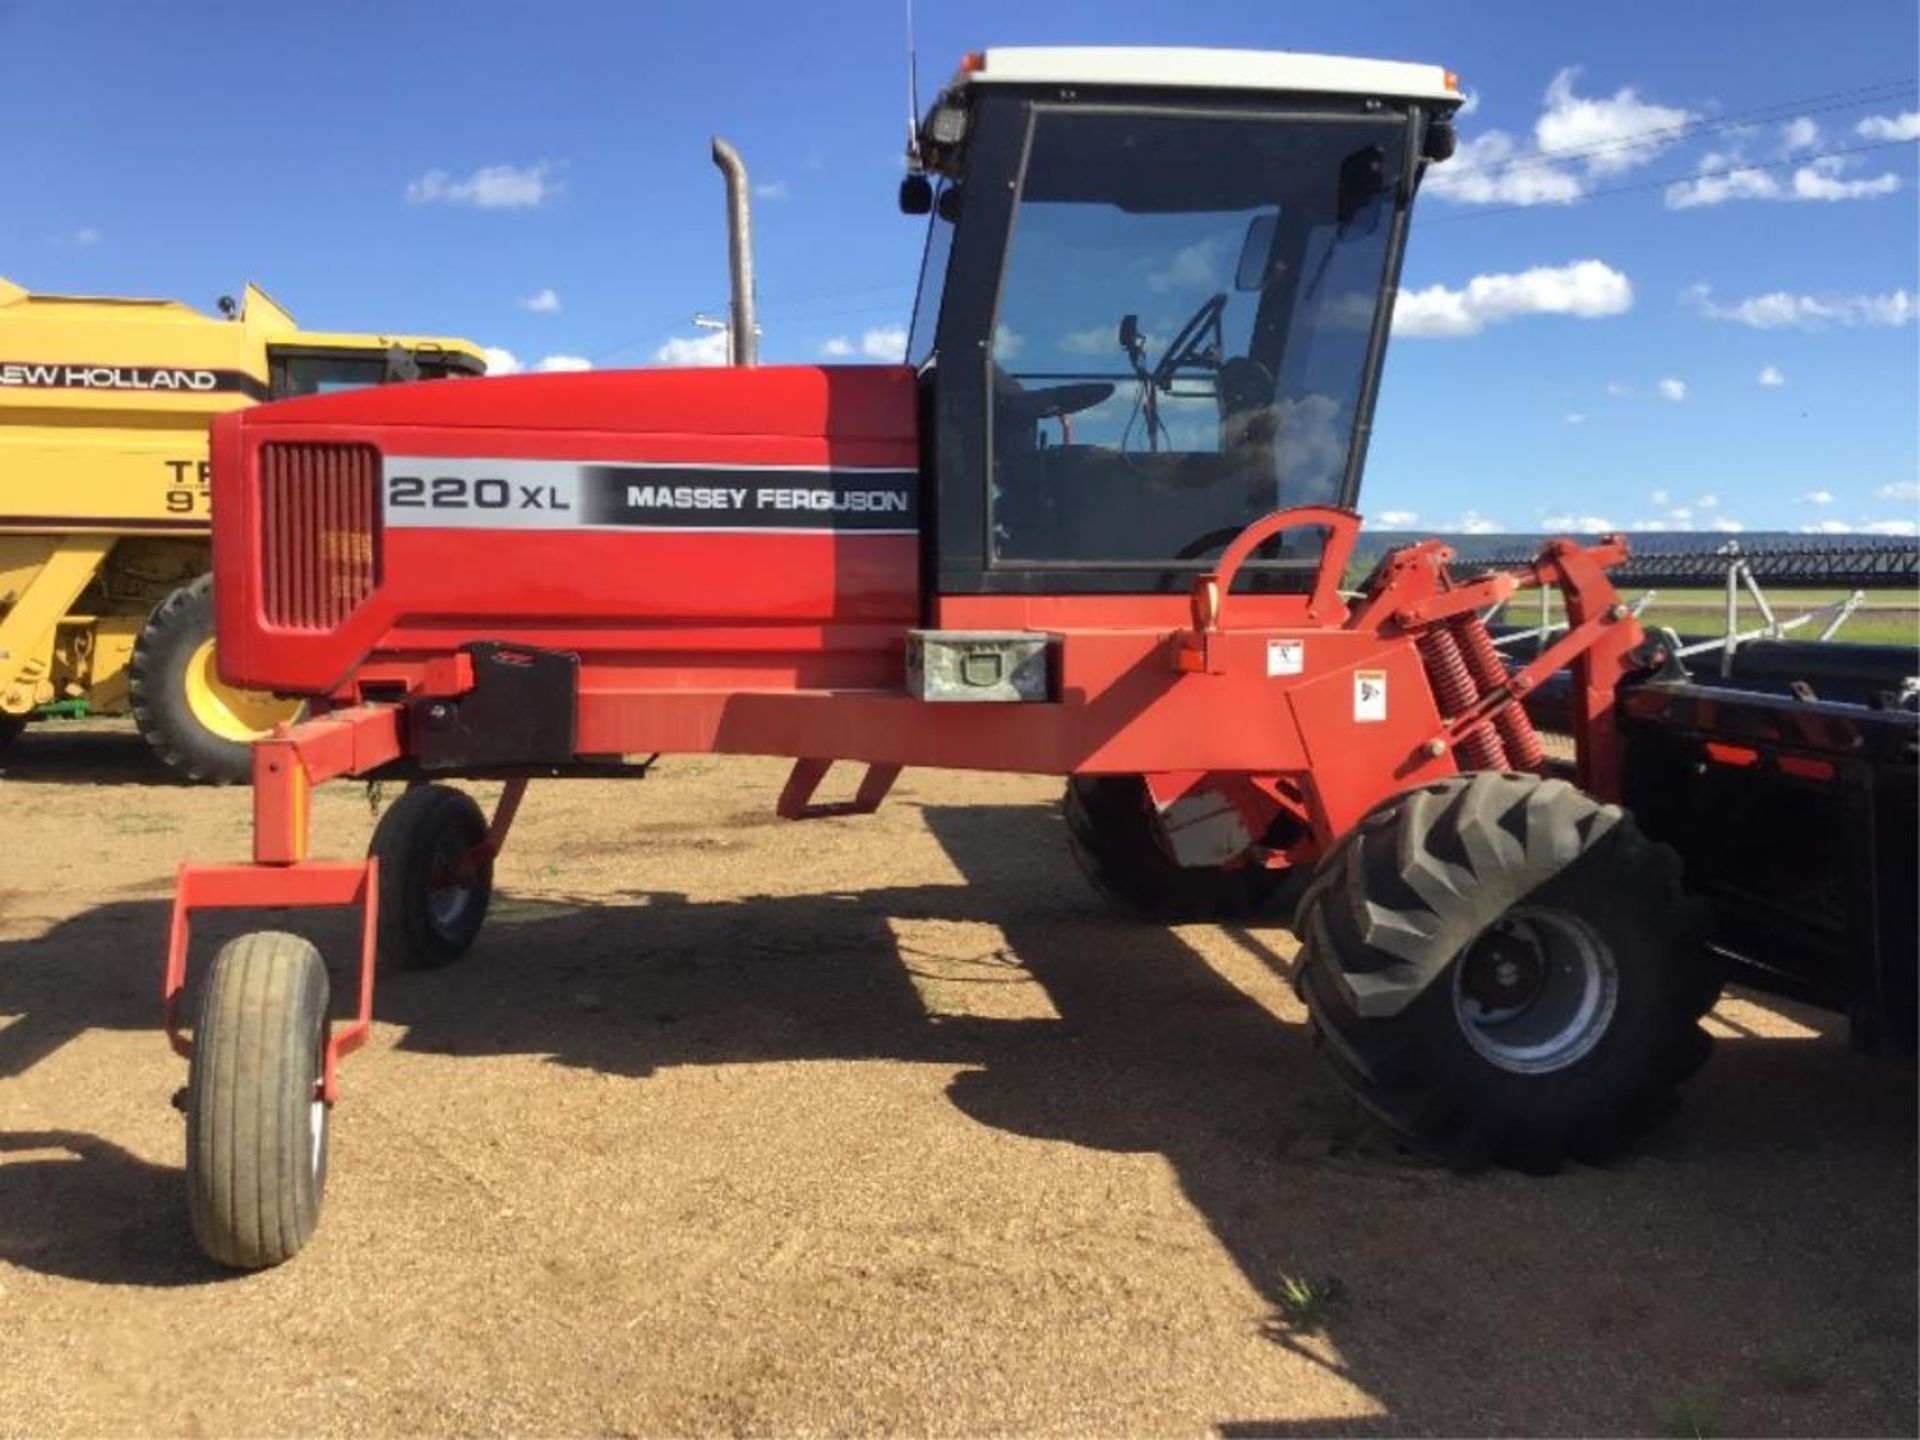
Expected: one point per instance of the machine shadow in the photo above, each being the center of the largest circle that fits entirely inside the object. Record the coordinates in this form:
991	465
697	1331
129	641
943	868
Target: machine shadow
79	1206
56	752
1146	1047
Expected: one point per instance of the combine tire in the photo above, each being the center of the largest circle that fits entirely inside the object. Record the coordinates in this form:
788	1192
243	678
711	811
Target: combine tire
1111	835
256	1126
201	727
1505	970
10	728
433	898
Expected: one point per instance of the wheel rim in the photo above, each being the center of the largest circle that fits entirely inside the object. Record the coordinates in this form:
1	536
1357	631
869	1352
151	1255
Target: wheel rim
317	1125
226	710
1536	991
450	888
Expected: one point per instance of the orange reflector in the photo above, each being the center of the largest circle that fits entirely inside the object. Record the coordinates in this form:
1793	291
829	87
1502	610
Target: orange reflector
1453	82
1722	753
973	62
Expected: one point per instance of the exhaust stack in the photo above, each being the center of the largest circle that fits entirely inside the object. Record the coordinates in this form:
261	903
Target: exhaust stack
742	349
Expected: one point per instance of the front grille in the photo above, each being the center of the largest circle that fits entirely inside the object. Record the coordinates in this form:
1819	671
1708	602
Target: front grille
318	550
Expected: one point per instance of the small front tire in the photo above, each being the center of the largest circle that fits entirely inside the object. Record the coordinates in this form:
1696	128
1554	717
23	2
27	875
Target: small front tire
434	892
256	1122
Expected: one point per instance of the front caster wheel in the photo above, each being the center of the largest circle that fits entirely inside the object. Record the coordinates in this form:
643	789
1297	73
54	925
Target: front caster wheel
256	1125
433	891
1505	970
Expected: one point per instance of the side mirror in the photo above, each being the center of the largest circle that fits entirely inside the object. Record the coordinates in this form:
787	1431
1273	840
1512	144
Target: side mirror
1439	141
1363	176
401	365
1256	253
949	204
1131	340
916	195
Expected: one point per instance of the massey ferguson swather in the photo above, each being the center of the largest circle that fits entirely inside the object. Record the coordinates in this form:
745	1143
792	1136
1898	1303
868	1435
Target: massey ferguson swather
1098	526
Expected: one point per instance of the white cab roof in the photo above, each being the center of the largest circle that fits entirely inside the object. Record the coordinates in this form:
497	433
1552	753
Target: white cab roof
1193	69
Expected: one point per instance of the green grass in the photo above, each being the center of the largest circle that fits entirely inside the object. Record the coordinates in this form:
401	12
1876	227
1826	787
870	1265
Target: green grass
1301	1306
1886	617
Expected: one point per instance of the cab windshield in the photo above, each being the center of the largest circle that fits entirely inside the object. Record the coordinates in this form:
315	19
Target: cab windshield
1185	328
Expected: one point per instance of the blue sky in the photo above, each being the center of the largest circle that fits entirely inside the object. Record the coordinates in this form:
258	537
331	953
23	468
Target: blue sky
446	169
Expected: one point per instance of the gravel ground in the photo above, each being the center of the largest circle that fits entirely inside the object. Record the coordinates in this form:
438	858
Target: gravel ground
728	1125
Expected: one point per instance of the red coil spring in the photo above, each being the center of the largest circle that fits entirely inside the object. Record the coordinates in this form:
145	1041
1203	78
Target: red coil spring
1515	726
1455	692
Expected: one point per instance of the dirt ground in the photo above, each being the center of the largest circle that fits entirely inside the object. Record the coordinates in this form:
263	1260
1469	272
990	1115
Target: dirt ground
731	1125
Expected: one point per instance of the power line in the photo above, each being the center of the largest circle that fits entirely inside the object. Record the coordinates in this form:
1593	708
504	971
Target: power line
1796	160
1857	98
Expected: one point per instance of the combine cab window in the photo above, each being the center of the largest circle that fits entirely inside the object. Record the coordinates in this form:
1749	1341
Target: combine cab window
296	372
1184	329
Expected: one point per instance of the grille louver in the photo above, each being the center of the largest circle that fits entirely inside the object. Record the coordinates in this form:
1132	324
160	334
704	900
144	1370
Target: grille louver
318	553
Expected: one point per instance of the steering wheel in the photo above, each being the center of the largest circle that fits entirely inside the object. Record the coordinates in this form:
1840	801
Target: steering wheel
1192	345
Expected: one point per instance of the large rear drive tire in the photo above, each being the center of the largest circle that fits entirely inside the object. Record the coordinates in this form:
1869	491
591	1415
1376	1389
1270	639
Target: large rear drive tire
1110	831
200	727
256	1125
433	897
10	728
1505	970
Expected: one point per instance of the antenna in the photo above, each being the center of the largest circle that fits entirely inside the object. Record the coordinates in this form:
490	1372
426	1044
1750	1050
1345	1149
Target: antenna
913	97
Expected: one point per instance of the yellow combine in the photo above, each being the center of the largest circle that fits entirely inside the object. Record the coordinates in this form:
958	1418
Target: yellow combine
104	599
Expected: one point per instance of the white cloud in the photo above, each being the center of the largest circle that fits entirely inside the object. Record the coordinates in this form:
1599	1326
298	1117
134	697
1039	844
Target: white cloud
1660	497
86	235
1469	103
887	343
709	347
1579	524
1890	527
1674	390
491	187
1491	169
1096	340
1681	515
1726	525
1587	289
1826	527
1891	127
1781	310
1007	342
505	362
542	302
773	190
1772	376
1612	134
1576	139
1574	417
1194	267
1707	502
1394	519
1817	497
1900	490
1724	177
1798	135
1474	523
